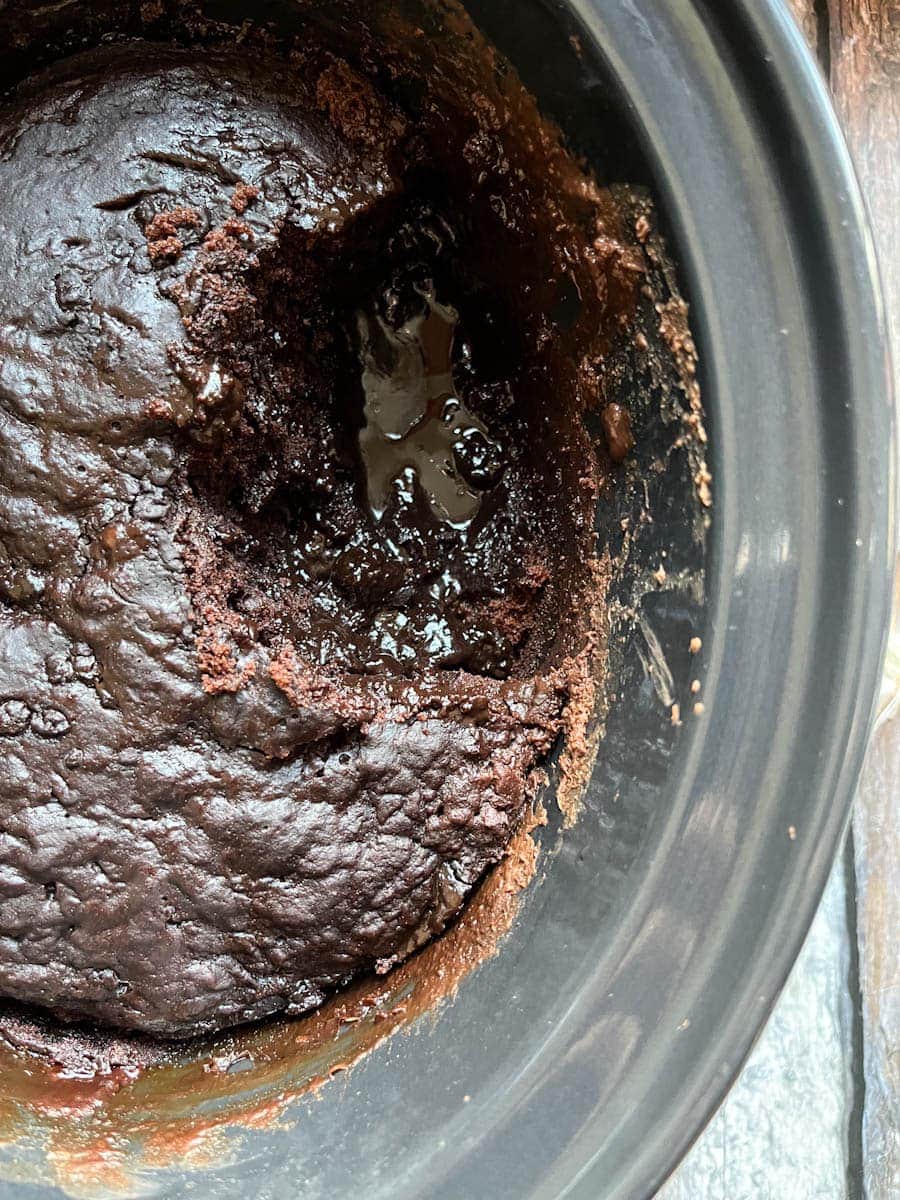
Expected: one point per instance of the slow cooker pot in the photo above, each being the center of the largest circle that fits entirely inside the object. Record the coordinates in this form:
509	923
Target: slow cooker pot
584	1058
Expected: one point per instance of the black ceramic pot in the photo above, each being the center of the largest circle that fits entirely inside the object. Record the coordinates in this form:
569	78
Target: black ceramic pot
594	1047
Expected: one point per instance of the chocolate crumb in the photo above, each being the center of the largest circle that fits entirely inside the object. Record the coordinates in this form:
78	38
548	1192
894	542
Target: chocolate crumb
243	196
617	429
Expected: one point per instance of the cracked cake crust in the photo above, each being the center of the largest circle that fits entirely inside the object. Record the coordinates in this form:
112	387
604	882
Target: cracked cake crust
255	738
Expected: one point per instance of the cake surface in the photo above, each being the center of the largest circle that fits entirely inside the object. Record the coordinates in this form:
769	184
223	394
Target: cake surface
296	500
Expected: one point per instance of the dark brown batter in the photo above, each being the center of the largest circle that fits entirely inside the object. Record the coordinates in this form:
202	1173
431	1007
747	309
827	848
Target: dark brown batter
295	514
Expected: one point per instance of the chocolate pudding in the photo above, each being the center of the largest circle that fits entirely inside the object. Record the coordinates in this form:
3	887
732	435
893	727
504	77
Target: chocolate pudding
298	584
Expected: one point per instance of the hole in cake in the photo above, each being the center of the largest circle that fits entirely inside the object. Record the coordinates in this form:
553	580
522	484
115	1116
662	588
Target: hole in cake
362	476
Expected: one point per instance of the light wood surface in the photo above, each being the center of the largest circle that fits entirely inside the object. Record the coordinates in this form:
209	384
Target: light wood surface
807	19
864	56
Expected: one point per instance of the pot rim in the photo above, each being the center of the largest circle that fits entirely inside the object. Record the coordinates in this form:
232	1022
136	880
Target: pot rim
763	38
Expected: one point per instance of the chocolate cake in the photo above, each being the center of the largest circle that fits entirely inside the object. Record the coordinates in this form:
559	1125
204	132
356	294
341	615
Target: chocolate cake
297	574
